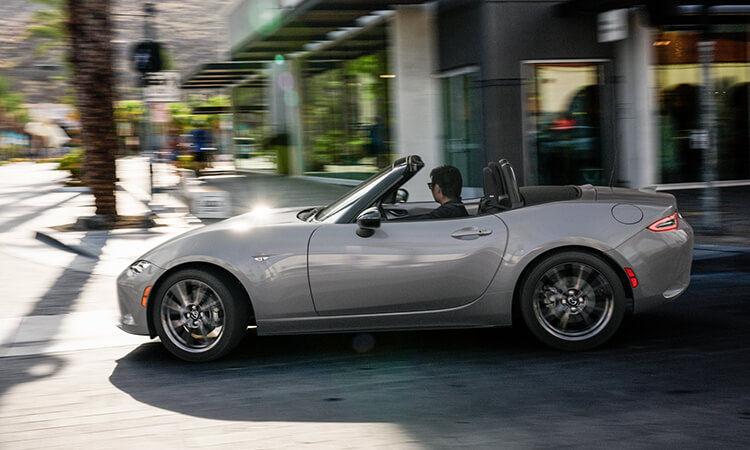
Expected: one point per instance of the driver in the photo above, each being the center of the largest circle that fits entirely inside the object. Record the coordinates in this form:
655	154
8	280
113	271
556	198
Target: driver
446	189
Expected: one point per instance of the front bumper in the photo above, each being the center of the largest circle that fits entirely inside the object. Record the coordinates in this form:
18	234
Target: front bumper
130	289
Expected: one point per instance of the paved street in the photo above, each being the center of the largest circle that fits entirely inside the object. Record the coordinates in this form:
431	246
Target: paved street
675	377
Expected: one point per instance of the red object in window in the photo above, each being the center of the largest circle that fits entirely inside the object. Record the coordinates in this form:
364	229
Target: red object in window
564	124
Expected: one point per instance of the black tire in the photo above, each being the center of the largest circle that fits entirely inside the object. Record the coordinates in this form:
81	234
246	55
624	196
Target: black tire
199	316
572	301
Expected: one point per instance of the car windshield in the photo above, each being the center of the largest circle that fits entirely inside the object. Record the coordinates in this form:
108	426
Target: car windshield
332	211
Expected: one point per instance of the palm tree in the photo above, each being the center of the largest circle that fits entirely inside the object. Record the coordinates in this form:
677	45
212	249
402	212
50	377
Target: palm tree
90	33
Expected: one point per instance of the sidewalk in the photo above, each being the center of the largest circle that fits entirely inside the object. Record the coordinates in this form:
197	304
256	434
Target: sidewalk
727	250
41	239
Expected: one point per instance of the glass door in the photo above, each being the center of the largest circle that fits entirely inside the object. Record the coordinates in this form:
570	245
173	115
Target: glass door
564	123
461	124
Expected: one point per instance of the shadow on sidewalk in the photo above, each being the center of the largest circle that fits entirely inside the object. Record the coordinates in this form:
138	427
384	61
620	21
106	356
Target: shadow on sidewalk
44	322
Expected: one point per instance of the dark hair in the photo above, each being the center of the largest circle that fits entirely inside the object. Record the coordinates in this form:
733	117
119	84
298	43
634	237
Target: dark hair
449	179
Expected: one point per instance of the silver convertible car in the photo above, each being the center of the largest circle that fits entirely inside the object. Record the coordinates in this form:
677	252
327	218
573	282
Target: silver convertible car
567	261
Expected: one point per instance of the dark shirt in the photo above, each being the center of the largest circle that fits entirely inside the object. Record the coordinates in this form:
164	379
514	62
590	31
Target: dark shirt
448	210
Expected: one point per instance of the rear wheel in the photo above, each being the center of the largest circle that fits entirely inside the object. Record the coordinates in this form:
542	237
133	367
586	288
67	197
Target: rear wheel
199	316
573	301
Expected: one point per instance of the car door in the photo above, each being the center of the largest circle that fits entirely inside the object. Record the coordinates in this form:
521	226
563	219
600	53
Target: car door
404	266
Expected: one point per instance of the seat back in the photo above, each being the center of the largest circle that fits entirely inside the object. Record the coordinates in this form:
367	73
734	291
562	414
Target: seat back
494	200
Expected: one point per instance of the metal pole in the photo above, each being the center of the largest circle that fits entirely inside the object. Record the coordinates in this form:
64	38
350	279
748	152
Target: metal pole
148	31
709	195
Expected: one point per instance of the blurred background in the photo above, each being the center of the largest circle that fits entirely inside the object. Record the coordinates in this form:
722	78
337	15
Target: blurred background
570	92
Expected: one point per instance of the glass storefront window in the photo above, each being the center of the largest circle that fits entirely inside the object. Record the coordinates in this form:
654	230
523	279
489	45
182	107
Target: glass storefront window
679	84
563	123
345	113
461	134
250	139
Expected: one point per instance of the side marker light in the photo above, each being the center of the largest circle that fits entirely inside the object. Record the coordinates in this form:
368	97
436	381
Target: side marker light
144	300
631	277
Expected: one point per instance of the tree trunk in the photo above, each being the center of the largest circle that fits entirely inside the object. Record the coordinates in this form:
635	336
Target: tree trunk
91	56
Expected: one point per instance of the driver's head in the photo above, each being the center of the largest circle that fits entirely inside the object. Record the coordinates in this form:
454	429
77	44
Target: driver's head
449	179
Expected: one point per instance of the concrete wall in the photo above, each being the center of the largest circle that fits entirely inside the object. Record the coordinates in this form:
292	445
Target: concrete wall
506	34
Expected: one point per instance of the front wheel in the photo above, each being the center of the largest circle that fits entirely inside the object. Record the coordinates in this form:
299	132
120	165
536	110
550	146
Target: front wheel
199	316
573	301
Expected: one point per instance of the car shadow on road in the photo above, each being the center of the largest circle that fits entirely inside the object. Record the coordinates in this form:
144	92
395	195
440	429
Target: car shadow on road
444	387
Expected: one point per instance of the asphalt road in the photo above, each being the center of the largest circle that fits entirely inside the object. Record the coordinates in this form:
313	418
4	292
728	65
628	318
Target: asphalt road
676	377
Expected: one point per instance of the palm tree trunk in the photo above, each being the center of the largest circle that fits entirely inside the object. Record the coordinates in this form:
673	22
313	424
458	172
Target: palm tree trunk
91	56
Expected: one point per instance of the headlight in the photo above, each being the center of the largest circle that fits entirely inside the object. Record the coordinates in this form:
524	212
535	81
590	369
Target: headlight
140	266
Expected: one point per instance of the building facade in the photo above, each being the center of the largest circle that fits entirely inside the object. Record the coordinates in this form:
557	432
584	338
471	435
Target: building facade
608	92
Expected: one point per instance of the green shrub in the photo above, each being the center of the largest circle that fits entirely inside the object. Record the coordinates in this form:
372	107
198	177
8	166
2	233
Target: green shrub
73	162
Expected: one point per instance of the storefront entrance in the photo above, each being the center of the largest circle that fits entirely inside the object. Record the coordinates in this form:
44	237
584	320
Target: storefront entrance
564	122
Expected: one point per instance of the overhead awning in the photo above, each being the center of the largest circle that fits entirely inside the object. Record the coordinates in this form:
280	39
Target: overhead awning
261	30
288	31
221	74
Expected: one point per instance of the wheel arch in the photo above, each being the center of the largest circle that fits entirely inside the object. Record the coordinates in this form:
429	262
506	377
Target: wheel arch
516	310
197	265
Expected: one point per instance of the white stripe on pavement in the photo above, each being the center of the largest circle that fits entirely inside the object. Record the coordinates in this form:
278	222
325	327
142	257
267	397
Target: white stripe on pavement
35	335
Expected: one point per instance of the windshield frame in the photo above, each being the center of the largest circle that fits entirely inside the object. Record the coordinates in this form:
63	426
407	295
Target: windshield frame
369	192
336	210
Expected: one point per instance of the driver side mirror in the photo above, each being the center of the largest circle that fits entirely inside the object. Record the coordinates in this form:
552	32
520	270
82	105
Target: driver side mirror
402	195
368	222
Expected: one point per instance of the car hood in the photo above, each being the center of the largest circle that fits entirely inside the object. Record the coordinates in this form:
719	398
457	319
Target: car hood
258	231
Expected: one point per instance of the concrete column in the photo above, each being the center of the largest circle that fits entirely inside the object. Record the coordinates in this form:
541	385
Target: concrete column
294	120
415	90
636	109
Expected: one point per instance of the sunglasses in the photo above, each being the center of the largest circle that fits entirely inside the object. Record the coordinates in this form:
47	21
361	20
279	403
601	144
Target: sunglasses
430	185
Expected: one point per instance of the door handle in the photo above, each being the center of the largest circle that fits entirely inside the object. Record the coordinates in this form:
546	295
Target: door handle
470	233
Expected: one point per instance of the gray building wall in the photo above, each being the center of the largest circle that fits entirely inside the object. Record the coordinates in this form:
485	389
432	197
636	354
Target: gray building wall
498	36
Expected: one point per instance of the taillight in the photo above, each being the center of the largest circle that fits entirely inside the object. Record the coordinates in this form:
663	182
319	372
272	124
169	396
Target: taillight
666	224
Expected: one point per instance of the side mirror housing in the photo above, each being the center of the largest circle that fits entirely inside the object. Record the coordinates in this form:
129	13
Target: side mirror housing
402	195
368	222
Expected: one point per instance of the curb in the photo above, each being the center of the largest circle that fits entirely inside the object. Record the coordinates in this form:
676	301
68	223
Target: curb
709	258
55	239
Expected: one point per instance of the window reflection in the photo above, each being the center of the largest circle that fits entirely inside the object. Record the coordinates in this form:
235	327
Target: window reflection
564	123
346	114
679	81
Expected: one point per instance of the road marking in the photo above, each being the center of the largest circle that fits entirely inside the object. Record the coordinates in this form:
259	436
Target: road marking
34	335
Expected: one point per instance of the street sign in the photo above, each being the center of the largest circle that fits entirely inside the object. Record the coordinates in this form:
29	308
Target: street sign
613	25
210	203
162	87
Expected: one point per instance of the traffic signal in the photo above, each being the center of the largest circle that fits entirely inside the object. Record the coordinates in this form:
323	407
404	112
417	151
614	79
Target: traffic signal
147	56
